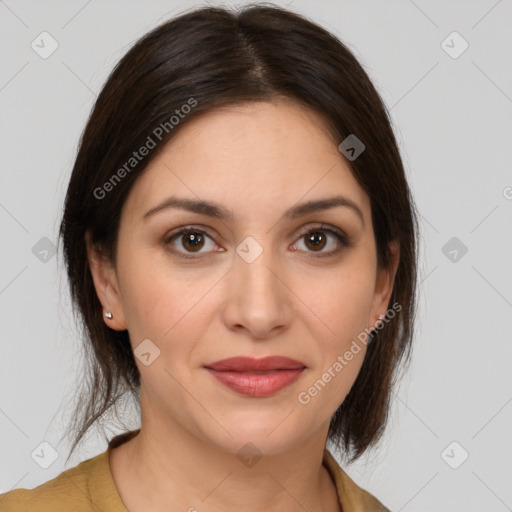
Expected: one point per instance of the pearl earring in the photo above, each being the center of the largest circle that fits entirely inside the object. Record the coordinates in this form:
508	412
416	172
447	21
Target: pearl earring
108	314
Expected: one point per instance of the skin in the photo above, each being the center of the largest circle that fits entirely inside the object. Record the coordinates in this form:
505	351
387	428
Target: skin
258	160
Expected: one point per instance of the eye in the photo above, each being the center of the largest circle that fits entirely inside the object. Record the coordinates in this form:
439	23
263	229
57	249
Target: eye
315	240
190	240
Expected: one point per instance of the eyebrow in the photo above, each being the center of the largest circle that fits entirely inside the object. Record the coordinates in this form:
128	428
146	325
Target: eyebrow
217	211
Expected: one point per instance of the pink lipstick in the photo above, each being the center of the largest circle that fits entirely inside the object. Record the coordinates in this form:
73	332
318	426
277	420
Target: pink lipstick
256	377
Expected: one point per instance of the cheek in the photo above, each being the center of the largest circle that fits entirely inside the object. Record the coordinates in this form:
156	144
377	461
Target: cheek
152	300
341	299
163	304
343	308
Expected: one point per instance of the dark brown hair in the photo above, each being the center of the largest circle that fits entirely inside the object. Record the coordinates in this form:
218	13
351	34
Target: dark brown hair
210	57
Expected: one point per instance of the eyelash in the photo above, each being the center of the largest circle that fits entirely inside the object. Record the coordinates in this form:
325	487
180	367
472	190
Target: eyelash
342	238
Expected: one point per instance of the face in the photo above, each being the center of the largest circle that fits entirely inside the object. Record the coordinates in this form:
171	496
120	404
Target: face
267	278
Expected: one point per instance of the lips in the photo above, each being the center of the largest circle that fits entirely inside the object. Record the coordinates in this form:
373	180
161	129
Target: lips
256	377
248	364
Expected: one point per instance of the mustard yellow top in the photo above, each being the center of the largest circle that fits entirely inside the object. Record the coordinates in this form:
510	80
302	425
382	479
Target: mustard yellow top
90	487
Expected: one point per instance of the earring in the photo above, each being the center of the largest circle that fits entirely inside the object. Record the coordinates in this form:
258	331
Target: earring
108	314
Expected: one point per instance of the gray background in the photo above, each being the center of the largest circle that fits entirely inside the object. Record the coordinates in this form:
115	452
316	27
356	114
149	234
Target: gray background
453	120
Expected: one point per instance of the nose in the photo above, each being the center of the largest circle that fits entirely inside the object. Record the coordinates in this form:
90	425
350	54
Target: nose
257	299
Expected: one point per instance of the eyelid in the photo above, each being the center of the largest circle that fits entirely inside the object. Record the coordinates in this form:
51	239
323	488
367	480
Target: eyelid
326	227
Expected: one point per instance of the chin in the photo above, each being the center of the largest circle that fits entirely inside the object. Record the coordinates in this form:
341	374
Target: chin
266	434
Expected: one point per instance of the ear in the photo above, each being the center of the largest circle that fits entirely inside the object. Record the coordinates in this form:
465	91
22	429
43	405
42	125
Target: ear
107	287
384	285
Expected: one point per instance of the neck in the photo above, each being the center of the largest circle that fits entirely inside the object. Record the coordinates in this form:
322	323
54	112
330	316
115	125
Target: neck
195	475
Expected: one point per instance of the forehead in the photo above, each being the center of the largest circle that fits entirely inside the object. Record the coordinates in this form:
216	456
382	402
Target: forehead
252	158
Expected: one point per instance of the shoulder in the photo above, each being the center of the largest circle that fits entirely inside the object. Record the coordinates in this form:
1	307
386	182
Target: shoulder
69	491
352	497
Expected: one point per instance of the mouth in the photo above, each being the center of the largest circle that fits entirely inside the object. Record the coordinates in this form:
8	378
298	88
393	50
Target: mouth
256	377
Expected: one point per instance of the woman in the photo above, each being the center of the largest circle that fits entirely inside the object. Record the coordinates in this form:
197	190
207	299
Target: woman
240	242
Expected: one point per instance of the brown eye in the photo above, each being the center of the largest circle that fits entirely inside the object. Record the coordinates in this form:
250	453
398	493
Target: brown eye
192	241
315	240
